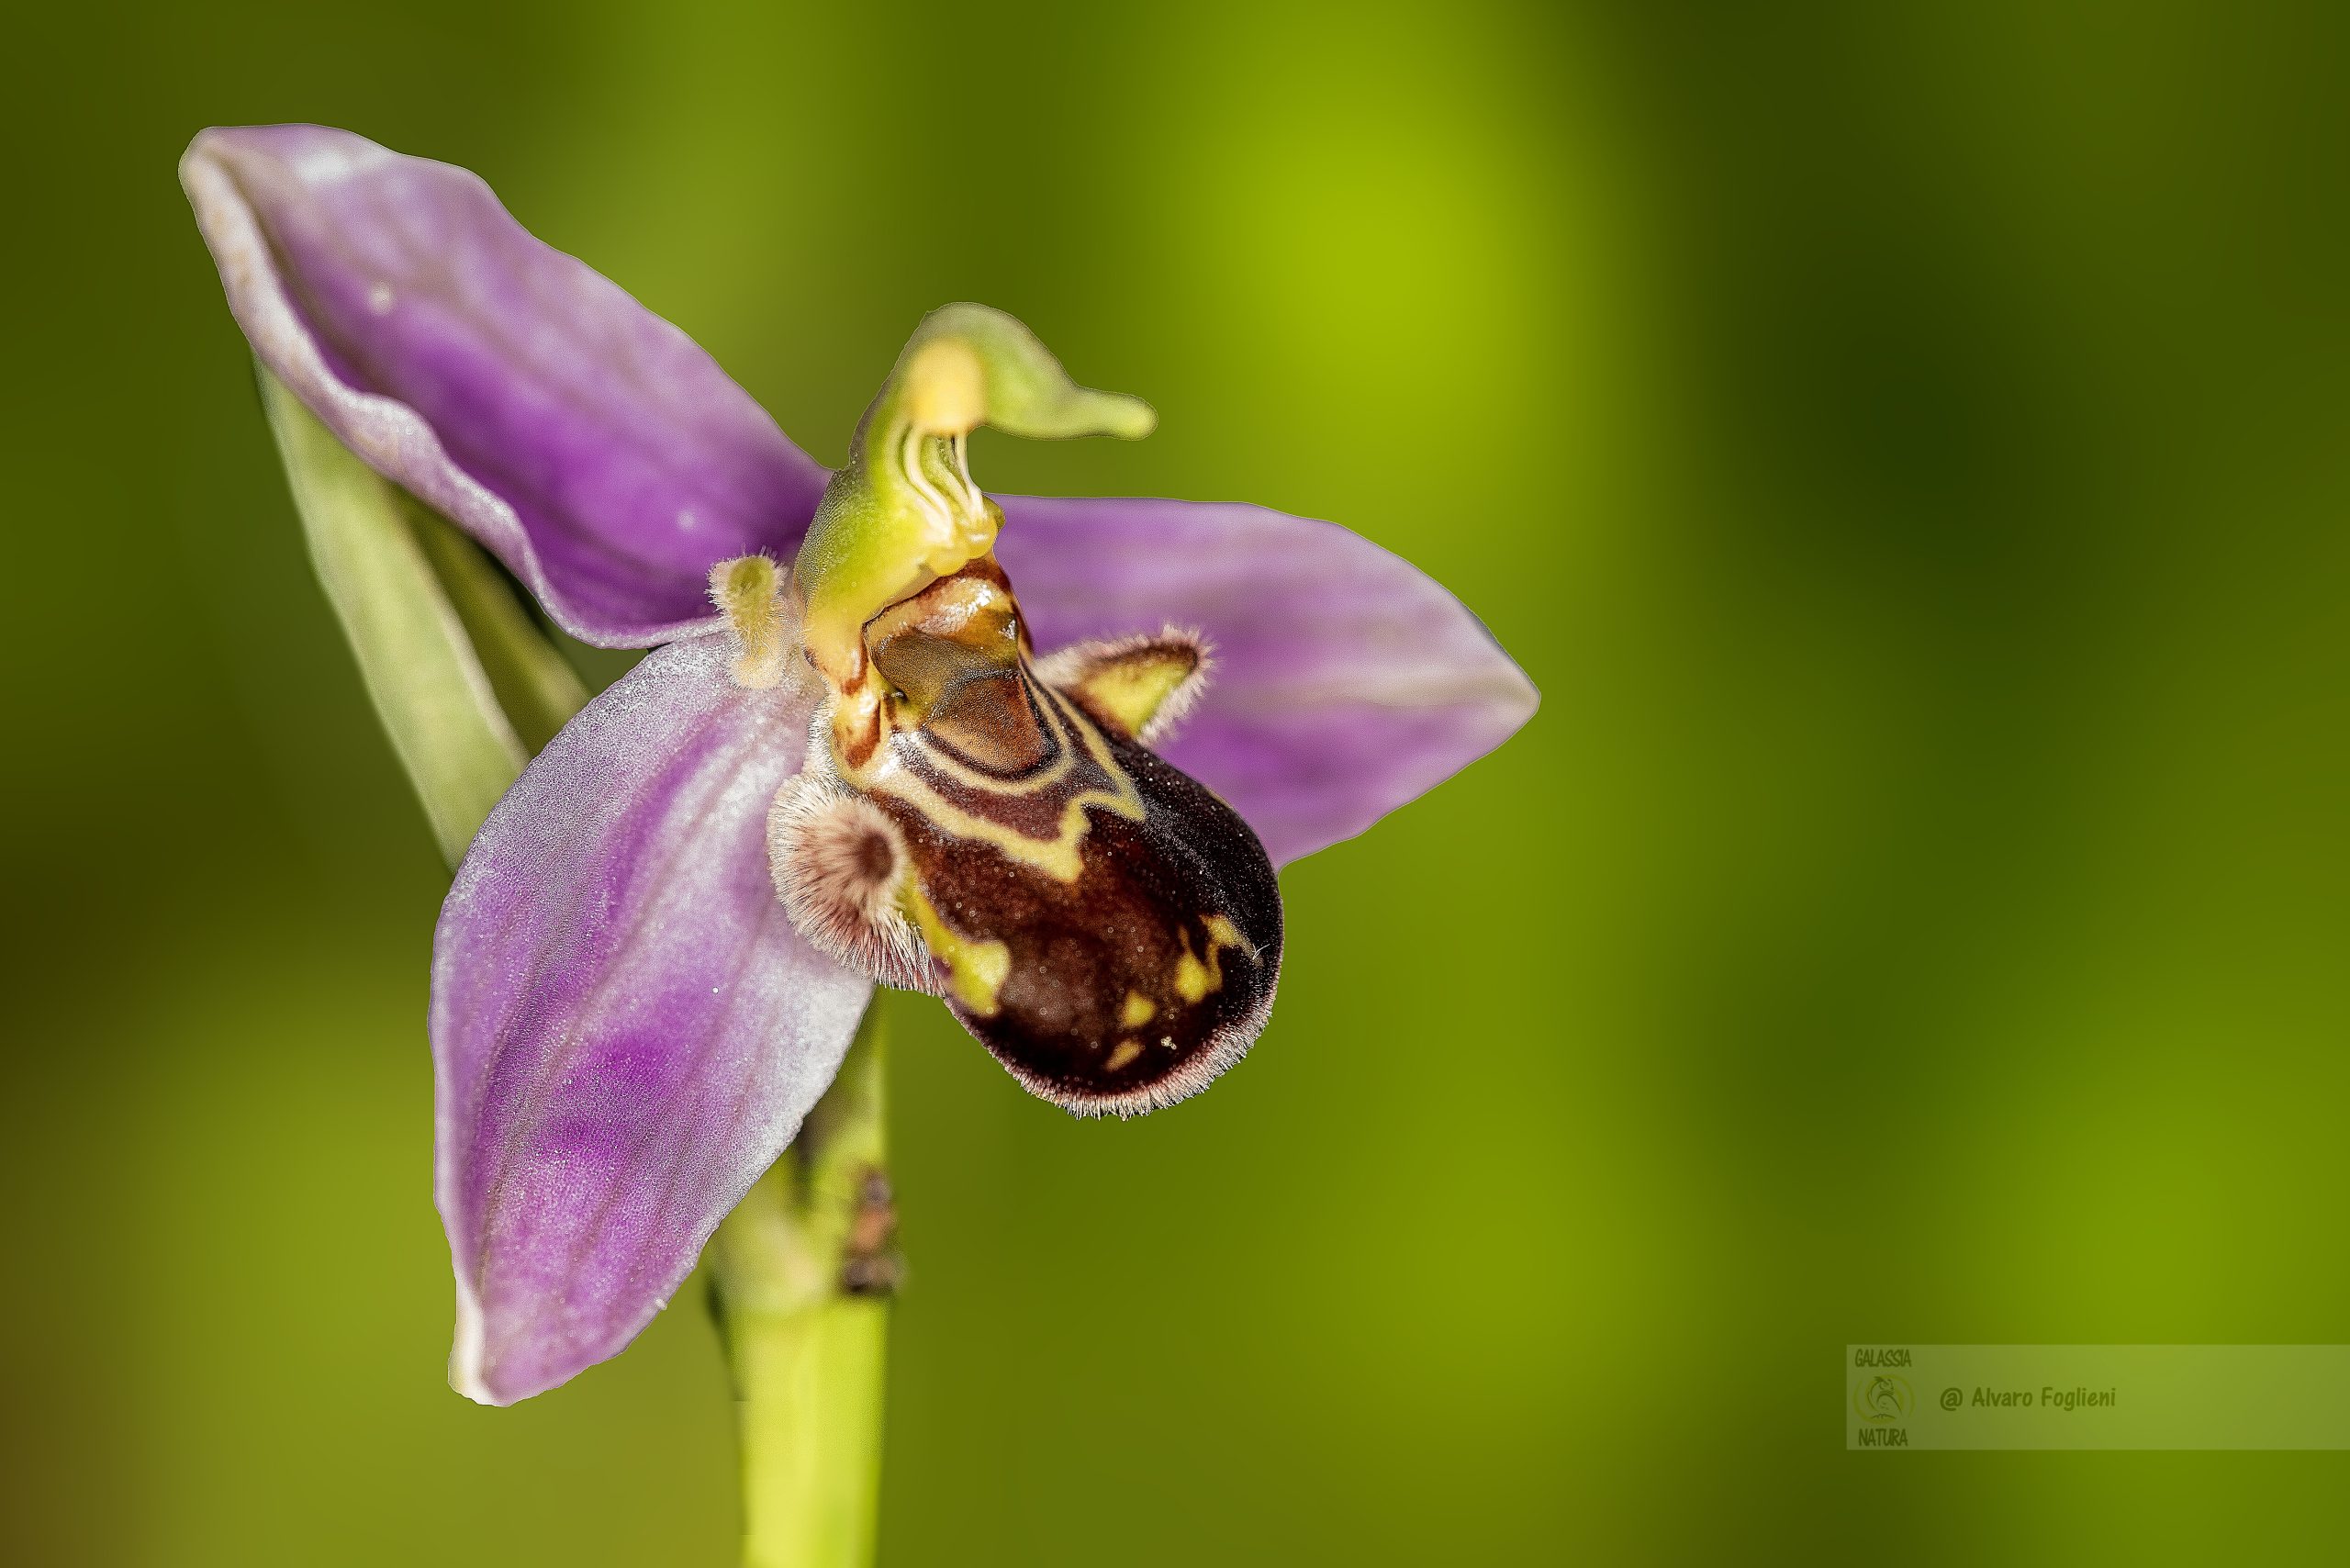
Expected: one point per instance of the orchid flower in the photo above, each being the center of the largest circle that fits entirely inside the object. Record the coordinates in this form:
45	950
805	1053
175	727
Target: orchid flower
1040	757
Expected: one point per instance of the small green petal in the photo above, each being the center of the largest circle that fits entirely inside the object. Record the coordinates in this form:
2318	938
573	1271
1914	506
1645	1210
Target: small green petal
419	662
537	689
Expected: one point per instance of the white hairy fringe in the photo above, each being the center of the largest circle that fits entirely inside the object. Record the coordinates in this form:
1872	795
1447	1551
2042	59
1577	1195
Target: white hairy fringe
821	843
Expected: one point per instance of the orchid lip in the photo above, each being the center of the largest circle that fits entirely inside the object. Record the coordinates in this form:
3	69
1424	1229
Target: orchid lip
1106	927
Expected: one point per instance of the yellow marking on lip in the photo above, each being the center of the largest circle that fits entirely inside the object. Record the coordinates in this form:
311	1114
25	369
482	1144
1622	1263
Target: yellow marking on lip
1127	1050
1059	856
1139	1009
1194	979
976	969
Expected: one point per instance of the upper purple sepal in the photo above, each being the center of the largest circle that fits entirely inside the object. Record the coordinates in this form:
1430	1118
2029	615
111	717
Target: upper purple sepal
1345	681
626	1029
586	443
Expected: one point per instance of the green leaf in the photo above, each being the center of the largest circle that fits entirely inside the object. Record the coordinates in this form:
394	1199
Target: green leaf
415	654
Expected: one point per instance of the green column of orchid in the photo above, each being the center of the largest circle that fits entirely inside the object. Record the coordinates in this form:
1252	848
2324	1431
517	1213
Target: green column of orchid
468	688
904	508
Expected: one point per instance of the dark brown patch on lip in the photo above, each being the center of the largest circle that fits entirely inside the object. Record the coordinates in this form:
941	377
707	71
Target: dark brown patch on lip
1087	957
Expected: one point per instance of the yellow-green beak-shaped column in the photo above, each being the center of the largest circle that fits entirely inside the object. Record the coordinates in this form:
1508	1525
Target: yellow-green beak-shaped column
904	512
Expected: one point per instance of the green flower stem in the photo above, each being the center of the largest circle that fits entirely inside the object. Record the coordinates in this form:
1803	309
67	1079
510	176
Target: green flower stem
800	1274
468	688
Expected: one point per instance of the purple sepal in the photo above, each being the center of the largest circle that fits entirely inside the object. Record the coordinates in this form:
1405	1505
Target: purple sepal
586	443
1345	681
626	1030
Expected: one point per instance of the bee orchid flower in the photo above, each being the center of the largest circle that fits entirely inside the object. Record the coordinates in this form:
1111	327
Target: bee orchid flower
1038	756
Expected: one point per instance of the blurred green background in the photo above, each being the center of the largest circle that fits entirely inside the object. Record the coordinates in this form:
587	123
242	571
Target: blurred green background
1905	444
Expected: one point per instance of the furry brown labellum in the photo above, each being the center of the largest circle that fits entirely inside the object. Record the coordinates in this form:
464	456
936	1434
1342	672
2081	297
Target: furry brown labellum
1103	924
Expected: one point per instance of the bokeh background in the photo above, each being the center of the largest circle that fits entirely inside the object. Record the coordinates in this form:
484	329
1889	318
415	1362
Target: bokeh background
1905	444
